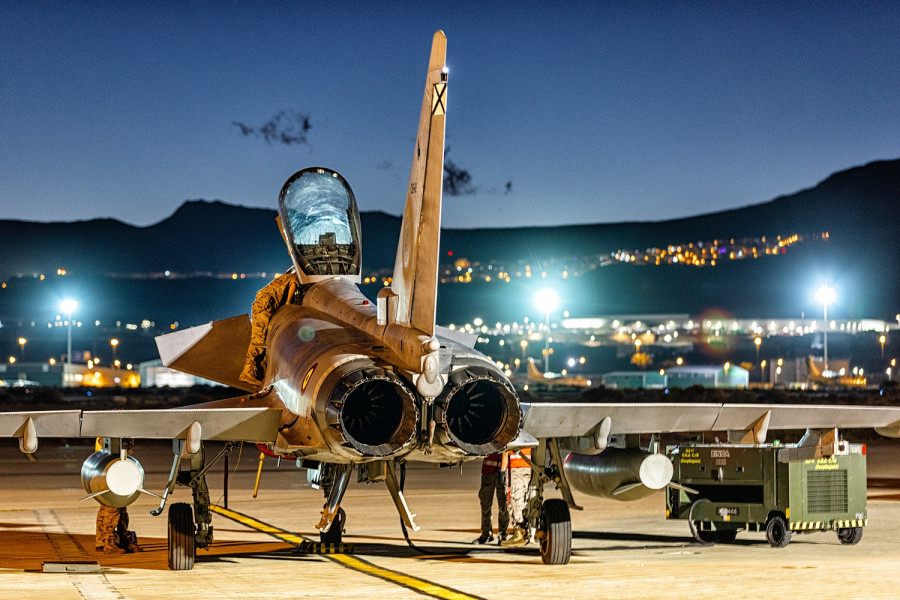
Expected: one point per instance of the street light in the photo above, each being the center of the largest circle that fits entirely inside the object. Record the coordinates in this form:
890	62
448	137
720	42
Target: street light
68	306
546	301
114	343
882	339
758	341
22	342
825	295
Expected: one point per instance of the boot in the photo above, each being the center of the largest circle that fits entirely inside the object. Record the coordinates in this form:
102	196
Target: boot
109	545
485	538
249	374
517	540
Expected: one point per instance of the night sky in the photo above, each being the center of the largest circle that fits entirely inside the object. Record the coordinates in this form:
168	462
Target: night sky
593	112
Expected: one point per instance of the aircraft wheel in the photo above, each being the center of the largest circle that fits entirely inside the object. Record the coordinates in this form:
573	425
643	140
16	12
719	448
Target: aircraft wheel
556	525
777	533
335	533
181	537
850	535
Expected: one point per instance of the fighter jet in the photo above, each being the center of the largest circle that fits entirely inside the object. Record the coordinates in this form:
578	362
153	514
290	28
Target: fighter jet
835	378
553	381
350	384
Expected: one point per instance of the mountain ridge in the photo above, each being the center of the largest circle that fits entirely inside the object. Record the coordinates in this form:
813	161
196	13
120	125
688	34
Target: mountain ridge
216	238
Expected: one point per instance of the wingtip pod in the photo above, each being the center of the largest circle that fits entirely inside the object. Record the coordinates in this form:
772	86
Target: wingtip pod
416	266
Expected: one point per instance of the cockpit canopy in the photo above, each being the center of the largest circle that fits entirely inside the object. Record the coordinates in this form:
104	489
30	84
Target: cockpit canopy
320	222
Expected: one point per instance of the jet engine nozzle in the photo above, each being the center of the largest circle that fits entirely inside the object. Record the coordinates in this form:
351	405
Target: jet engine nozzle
618	473
481	412
372	409
111	480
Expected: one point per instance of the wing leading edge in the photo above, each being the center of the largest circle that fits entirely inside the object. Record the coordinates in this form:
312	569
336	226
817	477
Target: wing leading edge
251	424
543	420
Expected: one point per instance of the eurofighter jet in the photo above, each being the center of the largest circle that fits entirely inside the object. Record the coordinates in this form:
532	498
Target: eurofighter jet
355	385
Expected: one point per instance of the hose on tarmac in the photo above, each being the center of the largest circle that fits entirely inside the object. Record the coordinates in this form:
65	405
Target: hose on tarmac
403	525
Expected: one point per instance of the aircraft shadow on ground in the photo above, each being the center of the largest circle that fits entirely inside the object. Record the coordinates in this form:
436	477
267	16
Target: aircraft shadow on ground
27	550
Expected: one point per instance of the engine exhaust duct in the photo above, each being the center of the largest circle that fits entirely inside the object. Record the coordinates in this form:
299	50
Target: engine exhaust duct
618	473
372	409
481	412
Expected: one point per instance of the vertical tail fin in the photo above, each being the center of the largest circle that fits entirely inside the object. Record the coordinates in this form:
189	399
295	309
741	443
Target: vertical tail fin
533	373
416	267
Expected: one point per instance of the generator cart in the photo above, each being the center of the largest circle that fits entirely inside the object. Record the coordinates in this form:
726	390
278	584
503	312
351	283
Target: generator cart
773	488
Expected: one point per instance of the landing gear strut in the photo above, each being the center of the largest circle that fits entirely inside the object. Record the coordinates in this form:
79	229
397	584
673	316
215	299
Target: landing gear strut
334	480
190	527
550	519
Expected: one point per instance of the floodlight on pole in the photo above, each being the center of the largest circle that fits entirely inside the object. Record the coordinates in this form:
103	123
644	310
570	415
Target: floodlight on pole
825	295
546	300
757	341
68	306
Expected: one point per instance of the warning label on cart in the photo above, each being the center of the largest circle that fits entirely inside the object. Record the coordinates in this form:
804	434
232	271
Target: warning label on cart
690	456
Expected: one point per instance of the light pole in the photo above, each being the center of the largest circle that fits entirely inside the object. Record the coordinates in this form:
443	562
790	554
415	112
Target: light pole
115	344
68	306
757	341
882	339
825	295
546	301
22	342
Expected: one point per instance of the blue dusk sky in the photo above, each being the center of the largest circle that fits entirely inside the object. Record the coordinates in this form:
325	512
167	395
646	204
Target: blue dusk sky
589	112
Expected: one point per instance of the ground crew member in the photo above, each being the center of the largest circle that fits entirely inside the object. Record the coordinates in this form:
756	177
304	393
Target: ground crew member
112	535
277	293
519	477
493	482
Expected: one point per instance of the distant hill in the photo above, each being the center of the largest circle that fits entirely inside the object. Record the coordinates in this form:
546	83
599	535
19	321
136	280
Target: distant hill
858	207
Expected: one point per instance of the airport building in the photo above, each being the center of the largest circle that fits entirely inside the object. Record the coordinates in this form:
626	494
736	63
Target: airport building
711	376
28	374
154	374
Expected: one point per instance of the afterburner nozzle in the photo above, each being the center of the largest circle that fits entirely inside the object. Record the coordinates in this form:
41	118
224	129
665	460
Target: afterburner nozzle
481	410
373	411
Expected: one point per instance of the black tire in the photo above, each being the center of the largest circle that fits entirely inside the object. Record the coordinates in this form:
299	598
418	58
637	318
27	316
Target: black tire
335	533
556	525
777	532
850	535
181	537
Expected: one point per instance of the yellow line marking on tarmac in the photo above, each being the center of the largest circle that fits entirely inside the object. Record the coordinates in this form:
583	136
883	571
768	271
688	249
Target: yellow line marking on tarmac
422	586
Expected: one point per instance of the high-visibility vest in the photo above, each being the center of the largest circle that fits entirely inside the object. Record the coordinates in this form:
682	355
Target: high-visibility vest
517	462
491	464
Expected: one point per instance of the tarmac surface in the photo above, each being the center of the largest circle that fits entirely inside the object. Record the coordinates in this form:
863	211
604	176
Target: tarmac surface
620	550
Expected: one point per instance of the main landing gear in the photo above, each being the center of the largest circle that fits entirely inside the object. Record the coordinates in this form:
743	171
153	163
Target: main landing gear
550	519
190	527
